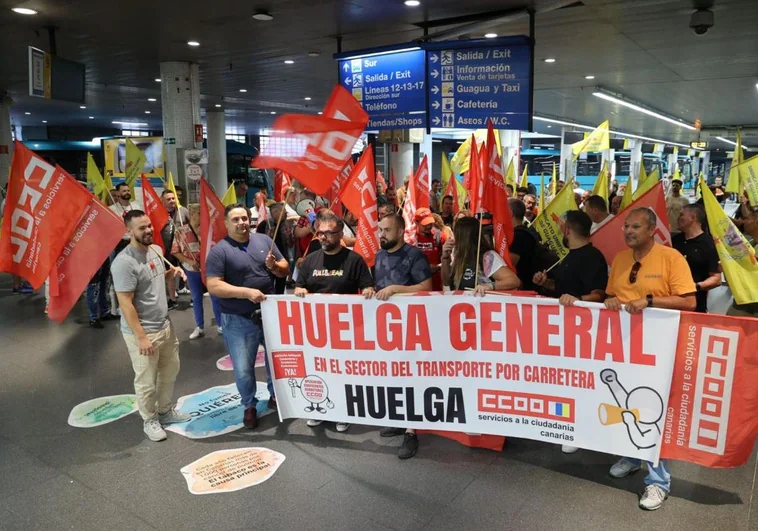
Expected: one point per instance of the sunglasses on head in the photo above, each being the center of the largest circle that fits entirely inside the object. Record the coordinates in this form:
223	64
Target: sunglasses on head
633	273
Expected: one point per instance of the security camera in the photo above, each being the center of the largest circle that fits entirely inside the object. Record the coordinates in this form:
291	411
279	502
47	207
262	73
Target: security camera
701	21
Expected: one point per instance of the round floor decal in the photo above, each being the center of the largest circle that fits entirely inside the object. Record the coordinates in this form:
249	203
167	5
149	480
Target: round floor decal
99	411
231	470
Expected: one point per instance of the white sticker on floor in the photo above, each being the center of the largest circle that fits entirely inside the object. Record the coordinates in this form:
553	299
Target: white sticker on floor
231	470
216	411
99	411
225	363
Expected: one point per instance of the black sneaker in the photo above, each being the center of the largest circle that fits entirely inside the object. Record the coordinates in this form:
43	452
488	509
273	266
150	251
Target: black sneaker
409	446
172	304
96	324
391	432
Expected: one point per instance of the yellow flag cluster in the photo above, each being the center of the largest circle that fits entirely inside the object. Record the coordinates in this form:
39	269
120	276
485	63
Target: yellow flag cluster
95	180
549	221
597	140
510	174
737	257
644	186
524	179
135	161
462	157
602	183
628	197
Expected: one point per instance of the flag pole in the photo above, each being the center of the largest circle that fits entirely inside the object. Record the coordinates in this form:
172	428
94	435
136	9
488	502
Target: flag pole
279	221
478	247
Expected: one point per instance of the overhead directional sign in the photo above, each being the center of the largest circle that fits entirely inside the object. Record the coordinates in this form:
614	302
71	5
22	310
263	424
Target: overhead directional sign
470	85
390	86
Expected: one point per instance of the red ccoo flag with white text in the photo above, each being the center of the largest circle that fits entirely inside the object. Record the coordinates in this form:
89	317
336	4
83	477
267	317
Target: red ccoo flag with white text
476	180
412	200
495	199
420	185
43	207
359	196
155	211
98	232
333	196
212	227
282	181
314	149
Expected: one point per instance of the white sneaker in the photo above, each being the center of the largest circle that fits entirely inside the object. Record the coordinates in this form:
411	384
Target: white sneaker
154	431
313	423
566	449
653	498
198	332
220	330
172	416
623	467
342	426
184	291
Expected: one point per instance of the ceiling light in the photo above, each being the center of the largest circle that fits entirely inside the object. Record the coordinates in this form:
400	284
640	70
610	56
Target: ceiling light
289	62
307	98
24	11
320	112
549	126
218	105
589	77
152	99
314	54
412	3
130	124
44	121
193	43
243	90
91	117
273	112
82	106
157	80
549	60
643	110
28	113
147	112
730	142
436	141
490	35
263	16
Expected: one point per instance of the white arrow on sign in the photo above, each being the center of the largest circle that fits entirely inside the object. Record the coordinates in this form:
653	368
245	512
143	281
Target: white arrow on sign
435	90
434	58
348	81
435	74
346	68
436	121
436	105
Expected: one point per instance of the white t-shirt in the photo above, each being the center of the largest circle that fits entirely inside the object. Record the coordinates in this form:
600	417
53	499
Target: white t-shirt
596	226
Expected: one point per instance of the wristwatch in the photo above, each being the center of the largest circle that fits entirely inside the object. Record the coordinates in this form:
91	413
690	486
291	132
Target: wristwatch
649	301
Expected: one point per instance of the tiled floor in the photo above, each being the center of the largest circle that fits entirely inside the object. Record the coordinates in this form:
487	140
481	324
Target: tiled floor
53	476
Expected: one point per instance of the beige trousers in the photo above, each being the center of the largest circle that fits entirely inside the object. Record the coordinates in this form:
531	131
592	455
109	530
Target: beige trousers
154	376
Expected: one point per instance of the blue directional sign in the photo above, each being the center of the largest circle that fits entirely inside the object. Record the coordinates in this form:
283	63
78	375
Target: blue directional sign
390	86
469	86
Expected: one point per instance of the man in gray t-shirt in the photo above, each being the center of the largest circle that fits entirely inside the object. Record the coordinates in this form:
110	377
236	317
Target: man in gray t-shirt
138	278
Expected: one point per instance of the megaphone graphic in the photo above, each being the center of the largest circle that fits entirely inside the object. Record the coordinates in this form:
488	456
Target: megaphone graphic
305	207
610	414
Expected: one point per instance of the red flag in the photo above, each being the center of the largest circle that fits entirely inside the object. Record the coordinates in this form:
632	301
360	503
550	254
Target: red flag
43	206
419	185
380	180
212	228
260	205
282	181
155	211
476	180
608	237
359	196
495	199
392	178
452	190
313	149
93	239
333	196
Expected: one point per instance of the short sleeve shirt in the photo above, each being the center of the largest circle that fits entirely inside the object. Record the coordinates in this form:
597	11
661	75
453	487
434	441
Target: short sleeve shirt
703	259
405	267
142	273
524	245
581	272
664	273
344	273
491	263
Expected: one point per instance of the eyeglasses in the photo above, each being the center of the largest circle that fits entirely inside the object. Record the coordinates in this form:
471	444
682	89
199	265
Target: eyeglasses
327	233
633	273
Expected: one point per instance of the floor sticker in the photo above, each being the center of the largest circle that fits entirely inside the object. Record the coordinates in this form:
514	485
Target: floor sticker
99	411
231	470
225	363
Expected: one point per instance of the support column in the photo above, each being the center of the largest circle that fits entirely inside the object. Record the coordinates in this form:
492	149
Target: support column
401	161
217	172
635	147
705	165
510	140
180	104
6	140
566	169
673	162
609	156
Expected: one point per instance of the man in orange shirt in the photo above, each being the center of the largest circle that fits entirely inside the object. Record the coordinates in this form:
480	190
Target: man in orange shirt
648	275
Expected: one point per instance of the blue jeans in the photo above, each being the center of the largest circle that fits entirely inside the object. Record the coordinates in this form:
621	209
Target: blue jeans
195	282
97	295
659	475
242	337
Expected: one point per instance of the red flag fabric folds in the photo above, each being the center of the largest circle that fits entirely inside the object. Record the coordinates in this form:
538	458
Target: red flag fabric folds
155	211
212	228
359	196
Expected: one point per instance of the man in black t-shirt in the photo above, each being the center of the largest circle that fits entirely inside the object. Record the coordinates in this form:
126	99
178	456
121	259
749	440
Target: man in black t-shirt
333	269
700	251
583	273
524	245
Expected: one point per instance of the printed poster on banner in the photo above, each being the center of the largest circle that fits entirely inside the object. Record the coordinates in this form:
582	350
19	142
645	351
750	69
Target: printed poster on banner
216	411
231	470
103	410
501	365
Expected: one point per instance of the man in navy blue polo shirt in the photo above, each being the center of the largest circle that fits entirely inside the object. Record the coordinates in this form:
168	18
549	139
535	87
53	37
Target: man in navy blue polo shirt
240	270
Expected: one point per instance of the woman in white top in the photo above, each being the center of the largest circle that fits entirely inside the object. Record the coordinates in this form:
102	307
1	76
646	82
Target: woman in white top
459	262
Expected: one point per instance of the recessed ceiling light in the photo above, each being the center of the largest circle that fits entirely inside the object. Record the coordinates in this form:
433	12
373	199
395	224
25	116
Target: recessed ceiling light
243	90
91	117
549	126
193	43
307	98
147	112
589	77
151	99
28	113
320	112
218	105
289	62
263	16
157	80
273	112
130	124
44	121
549	60
412	3
314	54
24	11
82	106
490	35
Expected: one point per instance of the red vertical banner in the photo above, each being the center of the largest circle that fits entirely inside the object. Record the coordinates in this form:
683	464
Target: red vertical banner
43	206
212	228
495	198
419	187
93	239
155	211
359	196
282	181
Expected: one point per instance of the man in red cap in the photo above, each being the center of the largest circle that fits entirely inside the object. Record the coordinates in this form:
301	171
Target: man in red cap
429	241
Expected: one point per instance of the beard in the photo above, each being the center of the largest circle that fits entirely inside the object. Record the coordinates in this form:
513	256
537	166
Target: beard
565	242
387	244
146	239
328	246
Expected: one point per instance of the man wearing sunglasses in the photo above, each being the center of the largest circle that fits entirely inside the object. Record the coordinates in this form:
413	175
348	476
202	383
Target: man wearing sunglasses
648	275
333	269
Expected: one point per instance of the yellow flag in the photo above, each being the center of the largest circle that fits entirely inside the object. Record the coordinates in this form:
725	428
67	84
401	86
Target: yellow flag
734	182
698	194
548	222
641	176
677	173
598	140
676	152
748	172
446	171
462	157
135	161
230	197
650	181
170	186
628	197
626	144
657	148
108	182
601	184
462	194
95	180
738	260
510	174
524	179
542	192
